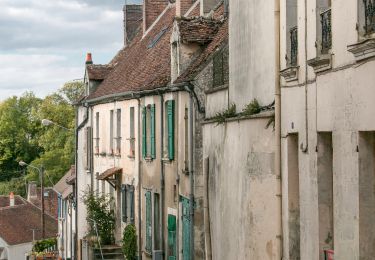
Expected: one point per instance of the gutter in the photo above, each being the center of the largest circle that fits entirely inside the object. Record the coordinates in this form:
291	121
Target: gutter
278	123
75	187
162	173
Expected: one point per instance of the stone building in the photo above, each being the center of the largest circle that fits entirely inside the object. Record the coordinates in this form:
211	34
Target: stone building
327	51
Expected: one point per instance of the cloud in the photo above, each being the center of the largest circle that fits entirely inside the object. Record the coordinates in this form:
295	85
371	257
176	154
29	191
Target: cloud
43	42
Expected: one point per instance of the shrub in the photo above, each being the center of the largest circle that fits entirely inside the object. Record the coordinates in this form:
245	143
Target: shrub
252	108
129	242
99	213
220	117
42	245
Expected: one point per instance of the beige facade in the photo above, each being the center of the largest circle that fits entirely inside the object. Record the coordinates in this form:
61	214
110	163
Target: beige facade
327	128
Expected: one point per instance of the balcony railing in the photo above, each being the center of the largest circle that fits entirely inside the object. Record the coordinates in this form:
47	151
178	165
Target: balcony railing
293	46
369	6
325	19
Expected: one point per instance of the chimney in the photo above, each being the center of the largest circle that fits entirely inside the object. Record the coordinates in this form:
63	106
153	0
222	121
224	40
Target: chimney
11	199
32	191
88	58
182	6
208	5
133	16
151	11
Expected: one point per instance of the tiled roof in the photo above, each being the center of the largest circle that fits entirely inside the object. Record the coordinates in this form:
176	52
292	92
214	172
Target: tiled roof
4	201
144	64
198	30
109	173
97	71
17	223
62	186
218	40
50	201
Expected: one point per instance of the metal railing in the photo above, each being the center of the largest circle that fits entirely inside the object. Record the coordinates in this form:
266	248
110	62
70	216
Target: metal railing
293	46
325	19
369	6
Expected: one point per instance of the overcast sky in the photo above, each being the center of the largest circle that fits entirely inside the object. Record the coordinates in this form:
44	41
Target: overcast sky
43	42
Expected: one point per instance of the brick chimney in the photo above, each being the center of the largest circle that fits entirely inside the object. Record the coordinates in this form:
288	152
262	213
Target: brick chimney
133	16
151	11
182	6
32	191
208	5
88	58
11	199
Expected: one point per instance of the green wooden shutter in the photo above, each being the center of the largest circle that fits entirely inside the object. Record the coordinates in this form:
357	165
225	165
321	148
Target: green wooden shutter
148	246
172	237
123	203
153	145
144	133
170	112
131	194
185	229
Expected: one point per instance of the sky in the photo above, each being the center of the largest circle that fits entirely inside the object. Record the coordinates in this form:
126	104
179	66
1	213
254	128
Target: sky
43	43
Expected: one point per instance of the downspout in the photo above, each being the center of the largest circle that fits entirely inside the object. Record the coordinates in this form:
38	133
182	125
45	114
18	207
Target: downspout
305	147
75	187
162	175
207	228
278	119
191	174
139	183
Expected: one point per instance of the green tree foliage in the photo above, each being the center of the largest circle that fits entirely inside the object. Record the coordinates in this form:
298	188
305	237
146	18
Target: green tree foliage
23	137
100	216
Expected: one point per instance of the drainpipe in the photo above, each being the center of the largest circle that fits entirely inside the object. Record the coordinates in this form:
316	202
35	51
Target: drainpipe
191	174
305	147
207	228
162	178
139	183
278	117
75	187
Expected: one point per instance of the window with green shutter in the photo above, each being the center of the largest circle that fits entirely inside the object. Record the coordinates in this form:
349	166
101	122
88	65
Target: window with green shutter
171	130
172	248
186	222
123	203
153	144
144	133
148	246
131	206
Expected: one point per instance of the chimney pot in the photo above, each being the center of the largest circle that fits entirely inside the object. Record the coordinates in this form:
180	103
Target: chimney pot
11	199
88	58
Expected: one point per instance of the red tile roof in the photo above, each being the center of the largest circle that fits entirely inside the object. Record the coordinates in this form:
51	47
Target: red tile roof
17	223
144	64
198	30
4	201
98	72
218	40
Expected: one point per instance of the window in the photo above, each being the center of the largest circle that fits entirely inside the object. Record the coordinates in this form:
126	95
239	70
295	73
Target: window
132	134
220	68
366	17
127	201
148	132
186	122
97	133
118	132
291	33
148	244
169	129
87	148
324	27
111	130
157	240
172	245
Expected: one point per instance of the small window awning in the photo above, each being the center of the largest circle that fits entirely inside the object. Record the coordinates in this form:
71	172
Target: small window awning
109	173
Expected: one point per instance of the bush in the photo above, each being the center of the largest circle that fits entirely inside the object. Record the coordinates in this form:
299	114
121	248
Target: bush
252	108
220	117
99	213
42	245
129	242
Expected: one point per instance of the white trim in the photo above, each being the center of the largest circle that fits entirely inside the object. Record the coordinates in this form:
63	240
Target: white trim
172	211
